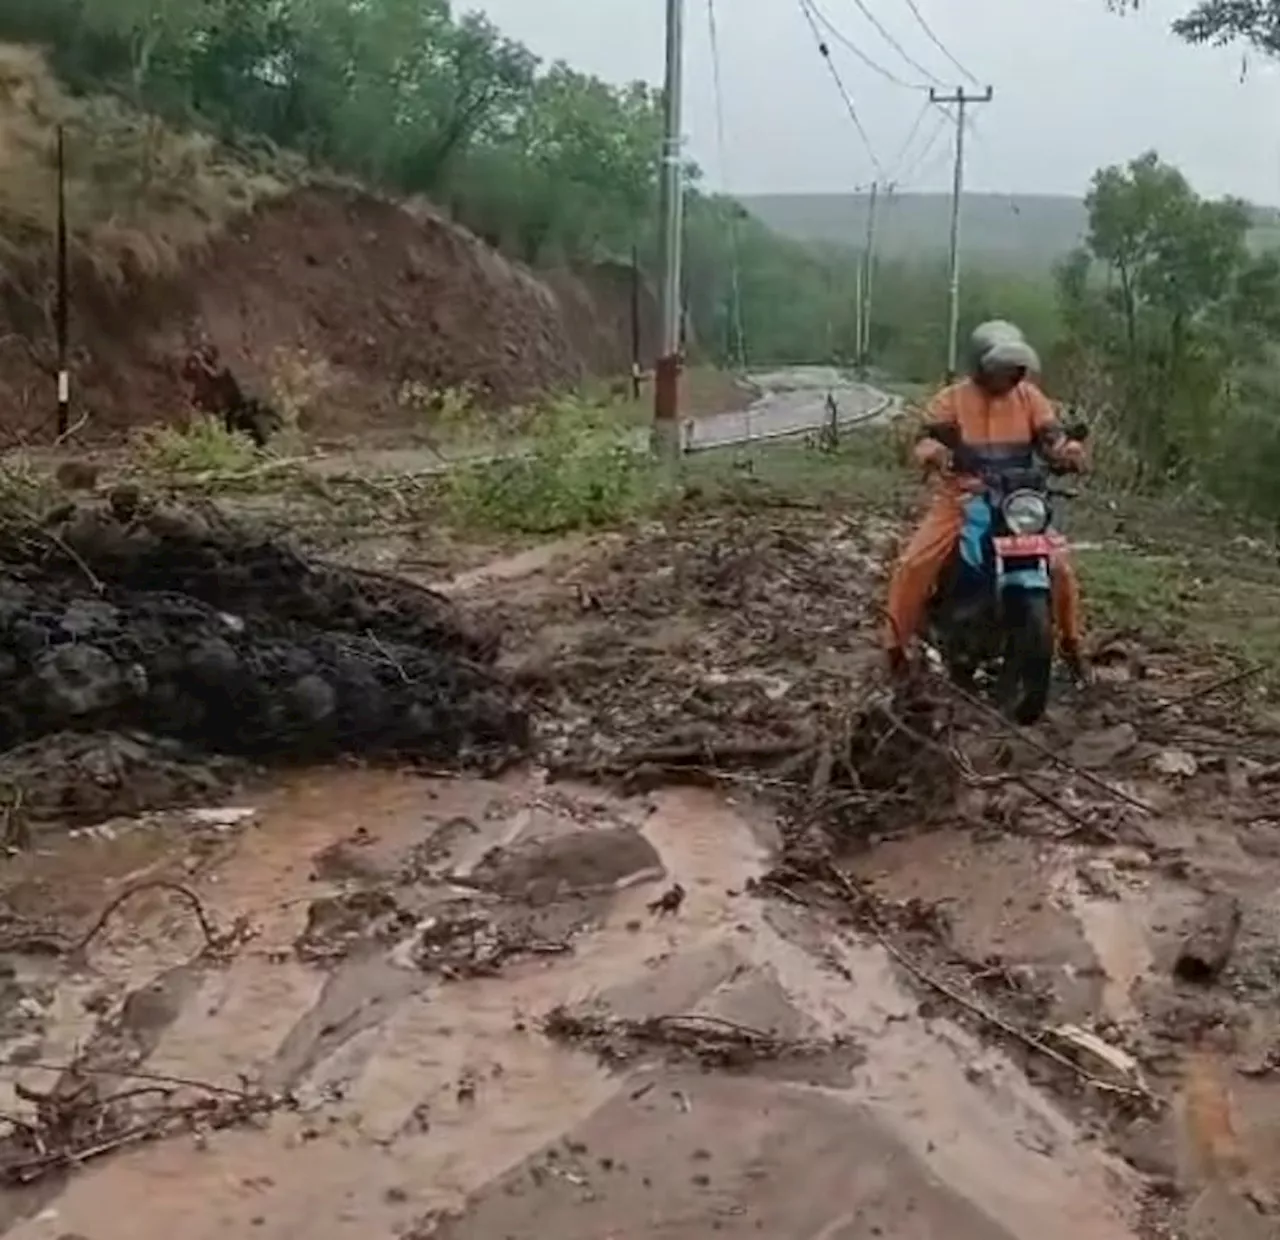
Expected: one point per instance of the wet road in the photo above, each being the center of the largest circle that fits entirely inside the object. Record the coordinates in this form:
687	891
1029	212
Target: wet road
792	402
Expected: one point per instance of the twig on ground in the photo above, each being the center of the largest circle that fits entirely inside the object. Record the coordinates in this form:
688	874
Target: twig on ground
1014	732
1031	1041
214	940
127	1074
965	769
1197	695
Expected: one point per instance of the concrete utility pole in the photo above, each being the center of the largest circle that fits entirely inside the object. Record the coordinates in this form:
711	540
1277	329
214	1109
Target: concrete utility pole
859	305
868	266
666	378
961	100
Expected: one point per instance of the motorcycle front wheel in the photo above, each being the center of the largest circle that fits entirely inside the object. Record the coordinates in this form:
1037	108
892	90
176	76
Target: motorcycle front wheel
1026	671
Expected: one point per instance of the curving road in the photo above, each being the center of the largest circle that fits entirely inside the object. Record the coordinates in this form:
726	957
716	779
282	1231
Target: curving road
792	402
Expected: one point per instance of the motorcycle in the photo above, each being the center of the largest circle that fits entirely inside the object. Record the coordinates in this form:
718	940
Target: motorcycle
991	615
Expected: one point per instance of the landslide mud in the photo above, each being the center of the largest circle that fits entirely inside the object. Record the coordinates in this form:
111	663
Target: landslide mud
435	1106
181	641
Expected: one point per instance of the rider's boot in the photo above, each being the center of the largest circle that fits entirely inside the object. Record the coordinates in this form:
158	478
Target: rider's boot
1074	661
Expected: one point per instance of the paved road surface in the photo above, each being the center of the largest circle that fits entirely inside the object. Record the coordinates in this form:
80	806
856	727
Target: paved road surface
793	402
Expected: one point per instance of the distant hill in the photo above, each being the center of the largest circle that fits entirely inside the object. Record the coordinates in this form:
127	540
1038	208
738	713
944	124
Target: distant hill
998	230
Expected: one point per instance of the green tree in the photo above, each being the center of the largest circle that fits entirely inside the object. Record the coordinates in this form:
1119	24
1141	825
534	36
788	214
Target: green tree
1167	306
1256	22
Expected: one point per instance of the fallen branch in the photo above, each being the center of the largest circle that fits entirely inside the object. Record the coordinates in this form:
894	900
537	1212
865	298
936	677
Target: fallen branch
1197	695
1037	1044
215	940
1014	732
127	1074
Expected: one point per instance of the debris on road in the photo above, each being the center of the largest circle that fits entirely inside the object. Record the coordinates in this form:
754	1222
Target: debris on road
142	655
1208	943
710	1041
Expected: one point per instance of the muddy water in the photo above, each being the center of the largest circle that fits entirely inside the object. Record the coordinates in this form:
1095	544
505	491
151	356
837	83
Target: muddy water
414	1095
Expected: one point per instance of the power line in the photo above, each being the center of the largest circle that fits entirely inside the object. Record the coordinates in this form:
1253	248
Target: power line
917	164
937	42
739	343
850	107
896	163
874	65
893	43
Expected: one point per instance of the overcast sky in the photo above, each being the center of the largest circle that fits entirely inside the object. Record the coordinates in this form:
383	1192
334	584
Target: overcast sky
1076	88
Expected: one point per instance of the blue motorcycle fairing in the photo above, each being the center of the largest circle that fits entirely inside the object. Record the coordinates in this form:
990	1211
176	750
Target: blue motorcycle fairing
974	532
978	521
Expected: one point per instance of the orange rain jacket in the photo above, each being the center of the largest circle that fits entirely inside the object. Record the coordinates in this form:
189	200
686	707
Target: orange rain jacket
1004	431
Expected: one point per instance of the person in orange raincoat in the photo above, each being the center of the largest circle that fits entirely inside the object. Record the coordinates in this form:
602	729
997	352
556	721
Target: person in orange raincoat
1003	419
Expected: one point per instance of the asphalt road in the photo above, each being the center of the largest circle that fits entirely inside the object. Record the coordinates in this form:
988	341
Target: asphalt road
793	402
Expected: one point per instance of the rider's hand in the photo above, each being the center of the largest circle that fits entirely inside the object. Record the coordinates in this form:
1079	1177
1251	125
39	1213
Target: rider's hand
932	456
1072	455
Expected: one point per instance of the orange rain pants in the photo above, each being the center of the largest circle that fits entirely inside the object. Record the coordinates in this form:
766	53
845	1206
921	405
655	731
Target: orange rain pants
926	555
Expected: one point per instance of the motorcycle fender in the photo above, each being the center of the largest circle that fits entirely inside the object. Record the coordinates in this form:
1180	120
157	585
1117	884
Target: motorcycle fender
1030	577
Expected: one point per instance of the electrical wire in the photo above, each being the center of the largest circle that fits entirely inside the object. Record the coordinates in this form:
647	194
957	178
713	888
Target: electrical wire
845	41
897	47
917	164
739	341
897	161
971	124
850	106
937	42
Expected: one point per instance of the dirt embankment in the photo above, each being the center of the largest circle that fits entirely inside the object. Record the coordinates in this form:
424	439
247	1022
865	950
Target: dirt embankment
329	300
342	302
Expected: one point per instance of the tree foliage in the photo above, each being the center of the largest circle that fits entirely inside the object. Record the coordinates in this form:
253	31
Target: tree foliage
553	165
1255	22
1170	320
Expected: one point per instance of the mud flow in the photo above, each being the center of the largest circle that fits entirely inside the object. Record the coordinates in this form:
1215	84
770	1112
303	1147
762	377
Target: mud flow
733	938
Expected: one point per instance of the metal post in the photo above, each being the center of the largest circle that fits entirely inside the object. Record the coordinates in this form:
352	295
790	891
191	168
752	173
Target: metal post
62	294
961	100
666	379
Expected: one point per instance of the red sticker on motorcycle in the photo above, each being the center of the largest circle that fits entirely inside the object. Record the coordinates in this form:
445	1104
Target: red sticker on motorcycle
1028	546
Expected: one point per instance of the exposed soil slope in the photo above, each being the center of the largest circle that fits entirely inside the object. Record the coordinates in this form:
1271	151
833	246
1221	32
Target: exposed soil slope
323	297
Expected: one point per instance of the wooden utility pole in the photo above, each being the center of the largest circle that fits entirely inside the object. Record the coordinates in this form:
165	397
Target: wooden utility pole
666	378
961	100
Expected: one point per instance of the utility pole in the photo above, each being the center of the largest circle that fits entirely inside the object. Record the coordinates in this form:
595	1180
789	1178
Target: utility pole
666	378
868	263
961	100
636	370
858	307
62	293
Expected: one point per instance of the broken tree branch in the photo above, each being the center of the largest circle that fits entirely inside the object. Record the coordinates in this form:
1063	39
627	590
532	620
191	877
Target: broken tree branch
1011	730
1030	1040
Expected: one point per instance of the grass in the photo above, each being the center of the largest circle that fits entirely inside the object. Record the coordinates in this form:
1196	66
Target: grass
140	196
203	446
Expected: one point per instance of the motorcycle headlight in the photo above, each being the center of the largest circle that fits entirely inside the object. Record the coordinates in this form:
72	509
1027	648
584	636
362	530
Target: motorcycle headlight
1025	512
